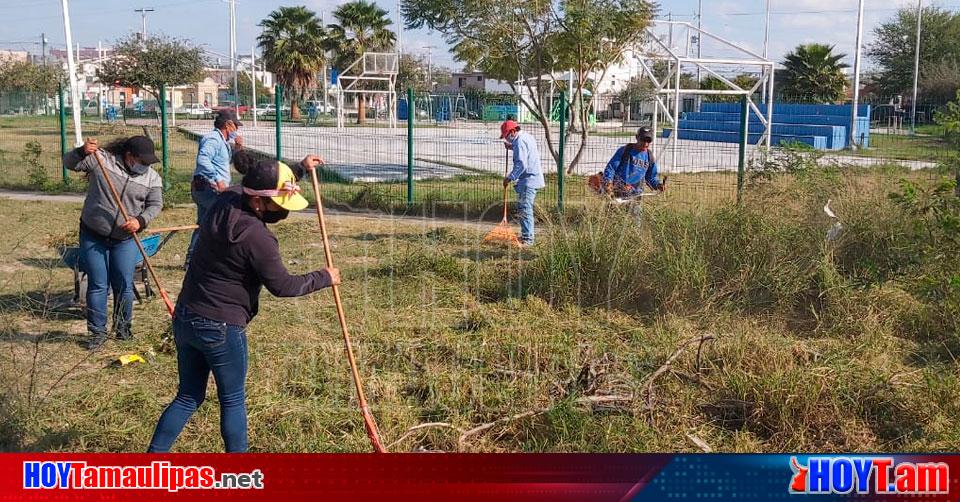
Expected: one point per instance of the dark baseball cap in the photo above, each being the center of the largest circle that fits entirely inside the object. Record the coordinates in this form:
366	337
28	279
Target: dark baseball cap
143	148
645	133
226	115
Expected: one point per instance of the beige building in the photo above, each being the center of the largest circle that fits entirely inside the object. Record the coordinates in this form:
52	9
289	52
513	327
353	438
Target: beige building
205	92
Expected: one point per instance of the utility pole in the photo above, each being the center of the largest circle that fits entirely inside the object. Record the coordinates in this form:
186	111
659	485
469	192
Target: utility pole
143	21
852	136
233	55
916	70
72	72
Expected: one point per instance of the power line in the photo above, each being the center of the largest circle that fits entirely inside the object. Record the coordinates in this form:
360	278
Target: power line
826	11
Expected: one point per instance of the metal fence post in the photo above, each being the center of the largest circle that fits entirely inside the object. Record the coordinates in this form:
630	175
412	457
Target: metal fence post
278	103
563	144
410	114
744	139
63	131
164	138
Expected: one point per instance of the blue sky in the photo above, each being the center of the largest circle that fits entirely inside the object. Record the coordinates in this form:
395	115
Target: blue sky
206	21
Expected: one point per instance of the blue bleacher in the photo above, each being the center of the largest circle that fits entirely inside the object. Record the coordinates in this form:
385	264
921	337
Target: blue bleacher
835	136
821	126
818	142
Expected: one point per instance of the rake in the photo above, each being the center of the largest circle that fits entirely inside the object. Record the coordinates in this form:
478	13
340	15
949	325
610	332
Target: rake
503	233
369	423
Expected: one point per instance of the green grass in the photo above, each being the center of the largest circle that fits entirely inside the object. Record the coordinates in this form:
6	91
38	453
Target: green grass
841	346
927	145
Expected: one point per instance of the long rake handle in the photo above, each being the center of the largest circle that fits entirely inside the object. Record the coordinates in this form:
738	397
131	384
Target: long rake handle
506	171
136	238
368	421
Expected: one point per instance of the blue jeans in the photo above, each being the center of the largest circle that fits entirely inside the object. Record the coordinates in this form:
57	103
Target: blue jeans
204	198
525	213
205	345
109	264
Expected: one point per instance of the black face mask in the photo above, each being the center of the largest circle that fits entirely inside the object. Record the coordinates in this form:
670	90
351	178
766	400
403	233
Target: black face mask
275	216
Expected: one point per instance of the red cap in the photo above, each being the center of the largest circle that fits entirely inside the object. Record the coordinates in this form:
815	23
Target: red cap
507	128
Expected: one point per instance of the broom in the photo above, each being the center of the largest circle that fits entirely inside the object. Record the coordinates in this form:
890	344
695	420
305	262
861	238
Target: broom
503	233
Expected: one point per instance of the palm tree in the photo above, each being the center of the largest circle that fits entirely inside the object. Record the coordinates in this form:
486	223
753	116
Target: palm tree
814	72
361	27
293	49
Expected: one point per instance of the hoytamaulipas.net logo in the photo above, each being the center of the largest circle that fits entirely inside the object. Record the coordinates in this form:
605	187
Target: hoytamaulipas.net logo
868	475
159	475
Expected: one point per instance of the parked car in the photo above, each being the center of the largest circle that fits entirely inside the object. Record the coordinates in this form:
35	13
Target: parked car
271	110
196	110
229	105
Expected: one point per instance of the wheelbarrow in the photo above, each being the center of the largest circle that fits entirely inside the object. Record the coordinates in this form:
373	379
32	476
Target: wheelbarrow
152	243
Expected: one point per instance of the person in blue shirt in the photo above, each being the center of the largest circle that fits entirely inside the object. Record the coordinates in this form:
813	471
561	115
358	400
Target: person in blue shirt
631	167
212	174
526	174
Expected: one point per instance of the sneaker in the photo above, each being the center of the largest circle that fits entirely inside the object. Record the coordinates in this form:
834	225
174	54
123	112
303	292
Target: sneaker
96	340
124	335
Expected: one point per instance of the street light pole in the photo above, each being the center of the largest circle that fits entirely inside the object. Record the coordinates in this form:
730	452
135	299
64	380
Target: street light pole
399	29
916	70
699	40
429	49
233	56
766	34
143	21
72	71
852	133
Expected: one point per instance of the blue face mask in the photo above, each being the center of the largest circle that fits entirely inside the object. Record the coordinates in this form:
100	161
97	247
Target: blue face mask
139	168
232	136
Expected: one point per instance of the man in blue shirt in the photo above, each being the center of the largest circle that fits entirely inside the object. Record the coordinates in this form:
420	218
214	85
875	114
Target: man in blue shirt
631	167
212	174
526	173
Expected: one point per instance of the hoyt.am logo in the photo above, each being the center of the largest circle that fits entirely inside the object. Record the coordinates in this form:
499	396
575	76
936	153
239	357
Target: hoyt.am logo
871	475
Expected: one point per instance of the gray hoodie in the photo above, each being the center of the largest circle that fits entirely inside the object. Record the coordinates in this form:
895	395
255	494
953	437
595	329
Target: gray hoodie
141	195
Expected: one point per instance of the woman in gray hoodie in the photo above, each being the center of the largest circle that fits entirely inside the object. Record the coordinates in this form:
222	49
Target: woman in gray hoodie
108	253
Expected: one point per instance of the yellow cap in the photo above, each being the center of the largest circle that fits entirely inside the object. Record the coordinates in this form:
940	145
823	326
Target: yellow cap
289	198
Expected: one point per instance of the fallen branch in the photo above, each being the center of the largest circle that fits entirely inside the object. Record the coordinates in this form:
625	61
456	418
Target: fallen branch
670	360
411	431
591	400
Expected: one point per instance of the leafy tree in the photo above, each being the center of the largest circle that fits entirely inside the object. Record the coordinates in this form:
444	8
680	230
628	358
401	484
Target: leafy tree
292	43
638	90
941	82
949	118
413	74
27	77
361	27
814	72
894	46
245	88
535	42
744	80
150	63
